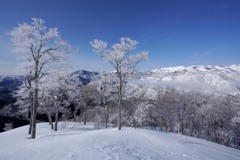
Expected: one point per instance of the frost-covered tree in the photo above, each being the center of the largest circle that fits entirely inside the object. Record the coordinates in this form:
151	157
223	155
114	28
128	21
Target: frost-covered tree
163	110
186	109
49	104
54	94
121	59
89	98
25	93
74	93
236	129
41	48
137	115
216	116
107	92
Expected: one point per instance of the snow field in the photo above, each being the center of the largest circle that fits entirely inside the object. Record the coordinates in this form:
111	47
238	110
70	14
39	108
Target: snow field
75	141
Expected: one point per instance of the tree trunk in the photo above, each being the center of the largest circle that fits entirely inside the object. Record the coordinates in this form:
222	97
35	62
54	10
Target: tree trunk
106	112
30	112
50	120
75	115
119	117
34	115
106	121
35	99
181	128
56	121
85	115
30	121
56	116
120	107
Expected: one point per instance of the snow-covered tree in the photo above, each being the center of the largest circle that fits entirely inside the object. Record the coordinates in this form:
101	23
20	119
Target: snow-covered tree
89	98
8	126
25	93
54	93
121	59
74	93
107	92
163	109
137	115
236	129
42	49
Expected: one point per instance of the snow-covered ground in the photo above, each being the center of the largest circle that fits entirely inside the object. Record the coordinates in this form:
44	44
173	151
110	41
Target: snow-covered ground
79	142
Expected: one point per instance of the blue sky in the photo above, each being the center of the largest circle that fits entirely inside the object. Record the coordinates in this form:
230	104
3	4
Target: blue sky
175	32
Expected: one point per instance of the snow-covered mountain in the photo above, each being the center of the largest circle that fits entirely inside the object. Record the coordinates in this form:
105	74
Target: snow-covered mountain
197	69
85	76
8	84
76	141
216	79
207	79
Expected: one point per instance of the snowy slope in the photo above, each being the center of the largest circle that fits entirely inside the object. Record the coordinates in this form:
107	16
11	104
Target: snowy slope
221	79
78	142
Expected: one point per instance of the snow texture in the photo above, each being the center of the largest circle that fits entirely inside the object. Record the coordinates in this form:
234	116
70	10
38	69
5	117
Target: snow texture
75	141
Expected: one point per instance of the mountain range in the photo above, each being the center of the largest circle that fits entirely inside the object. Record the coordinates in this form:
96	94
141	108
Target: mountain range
208	79
212	79
205	79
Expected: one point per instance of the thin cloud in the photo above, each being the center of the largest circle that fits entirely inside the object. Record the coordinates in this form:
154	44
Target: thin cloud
202	58
7	67
7	71
196	55
89	62
7	63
